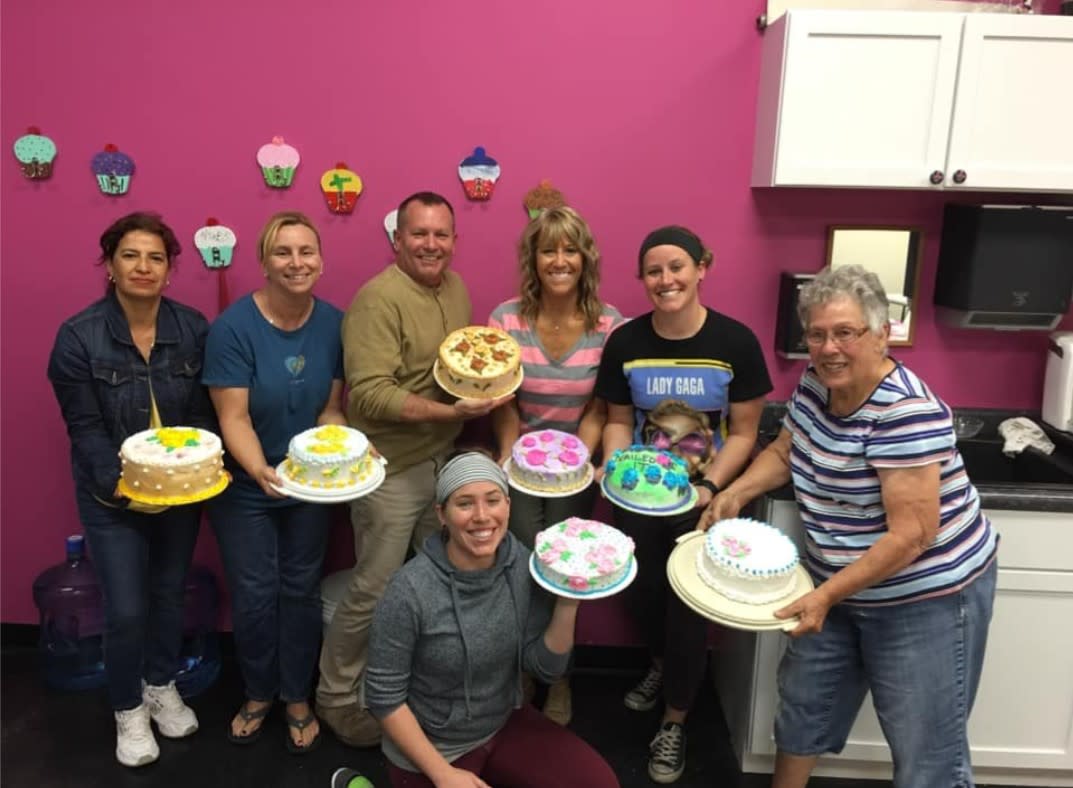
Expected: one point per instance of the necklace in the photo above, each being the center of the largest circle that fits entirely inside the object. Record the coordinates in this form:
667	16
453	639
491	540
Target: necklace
272	321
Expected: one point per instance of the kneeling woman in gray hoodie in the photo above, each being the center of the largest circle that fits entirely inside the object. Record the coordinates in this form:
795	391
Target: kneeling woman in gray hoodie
451	637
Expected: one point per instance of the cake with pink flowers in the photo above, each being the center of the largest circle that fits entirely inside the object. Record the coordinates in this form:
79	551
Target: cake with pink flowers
582	556
748	561
550	461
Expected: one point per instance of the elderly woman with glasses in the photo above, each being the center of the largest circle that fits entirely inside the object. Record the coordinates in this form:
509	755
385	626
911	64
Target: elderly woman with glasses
902	556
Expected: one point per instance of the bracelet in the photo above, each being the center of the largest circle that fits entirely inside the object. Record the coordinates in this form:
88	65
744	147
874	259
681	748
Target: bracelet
708	485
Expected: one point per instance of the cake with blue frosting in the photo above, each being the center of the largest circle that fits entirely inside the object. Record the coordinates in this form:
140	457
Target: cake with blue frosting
645	479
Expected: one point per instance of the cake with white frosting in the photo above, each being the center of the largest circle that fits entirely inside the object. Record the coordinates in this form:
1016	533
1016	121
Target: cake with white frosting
583	556
330	458
748	561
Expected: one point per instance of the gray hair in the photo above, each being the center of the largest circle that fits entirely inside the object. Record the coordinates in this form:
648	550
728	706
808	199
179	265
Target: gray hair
847	281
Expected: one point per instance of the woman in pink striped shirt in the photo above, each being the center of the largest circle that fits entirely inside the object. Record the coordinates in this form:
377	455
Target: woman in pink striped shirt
561	325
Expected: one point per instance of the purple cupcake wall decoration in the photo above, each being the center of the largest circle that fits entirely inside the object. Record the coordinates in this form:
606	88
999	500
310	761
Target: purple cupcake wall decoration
113	169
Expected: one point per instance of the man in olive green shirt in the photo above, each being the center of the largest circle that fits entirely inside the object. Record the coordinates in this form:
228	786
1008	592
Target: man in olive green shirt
391	338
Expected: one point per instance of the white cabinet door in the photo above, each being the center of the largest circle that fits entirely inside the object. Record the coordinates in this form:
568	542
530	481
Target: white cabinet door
856	99
1013	112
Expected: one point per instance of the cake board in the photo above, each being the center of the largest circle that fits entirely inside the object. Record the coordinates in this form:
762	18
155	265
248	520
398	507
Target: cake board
590	474
302	493
582	595
689	503
709	603
443	384
174	500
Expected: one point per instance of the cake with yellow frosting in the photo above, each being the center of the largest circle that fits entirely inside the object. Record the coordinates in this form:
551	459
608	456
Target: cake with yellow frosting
172	465
329	459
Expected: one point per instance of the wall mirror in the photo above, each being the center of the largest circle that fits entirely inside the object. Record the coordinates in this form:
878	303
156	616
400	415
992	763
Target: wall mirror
893	254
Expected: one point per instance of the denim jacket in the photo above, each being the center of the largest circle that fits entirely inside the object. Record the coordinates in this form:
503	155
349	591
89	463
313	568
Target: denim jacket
102	383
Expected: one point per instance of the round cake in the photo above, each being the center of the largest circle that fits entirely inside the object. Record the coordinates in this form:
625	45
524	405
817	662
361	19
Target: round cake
748	561
329	459
172	465
647	479
478	362
583	556
550	461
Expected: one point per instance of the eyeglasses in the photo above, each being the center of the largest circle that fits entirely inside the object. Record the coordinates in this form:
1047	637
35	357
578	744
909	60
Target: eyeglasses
841	336
694	443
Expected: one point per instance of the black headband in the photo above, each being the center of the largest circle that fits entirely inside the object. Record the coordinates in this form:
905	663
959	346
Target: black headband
674	236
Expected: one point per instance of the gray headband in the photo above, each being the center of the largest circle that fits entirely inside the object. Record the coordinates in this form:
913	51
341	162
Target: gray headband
673	236
465	468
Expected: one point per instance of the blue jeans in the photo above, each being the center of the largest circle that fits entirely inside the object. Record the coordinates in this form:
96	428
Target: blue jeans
273	557
141	562
922	662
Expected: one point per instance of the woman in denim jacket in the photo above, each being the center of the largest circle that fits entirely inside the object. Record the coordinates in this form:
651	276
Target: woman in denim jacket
128	362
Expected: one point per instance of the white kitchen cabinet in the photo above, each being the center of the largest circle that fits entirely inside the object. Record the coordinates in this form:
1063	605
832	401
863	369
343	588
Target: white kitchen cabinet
1021	728
906	99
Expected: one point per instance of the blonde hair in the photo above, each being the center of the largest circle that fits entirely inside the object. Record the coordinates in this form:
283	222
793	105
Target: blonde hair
556	226
271	230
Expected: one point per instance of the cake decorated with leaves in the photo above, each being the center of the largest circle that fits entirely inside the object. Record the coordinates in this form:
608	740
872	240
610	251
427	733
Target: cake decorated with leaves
583	556
172	465
331	458
647	479
479	362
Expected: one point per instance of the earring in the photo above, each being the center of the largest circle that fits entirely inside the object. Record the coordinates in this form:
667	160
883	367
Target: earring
111	278
167	283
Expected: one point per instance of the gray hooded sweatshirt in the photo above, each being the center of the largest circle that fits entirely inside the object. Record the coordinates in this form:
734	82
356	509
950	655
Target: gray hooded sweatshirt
452	645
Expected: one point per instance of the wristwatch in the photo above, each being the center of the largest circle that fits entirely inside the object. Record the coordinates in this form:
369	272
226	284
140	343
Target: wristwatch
708	485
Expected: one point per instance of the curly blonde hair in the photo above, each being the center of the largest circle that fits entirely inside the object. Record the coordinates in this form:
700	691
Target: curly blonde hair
552	227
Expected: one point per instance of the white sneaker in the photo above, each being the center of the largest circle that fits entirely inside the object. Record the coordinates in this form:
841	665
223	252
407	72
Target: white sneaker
135	745
173	717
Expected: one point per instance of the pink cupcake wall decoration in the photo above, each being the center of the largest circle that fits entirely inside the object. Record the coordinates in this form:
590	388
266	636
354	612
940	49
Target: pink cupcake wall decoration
278	162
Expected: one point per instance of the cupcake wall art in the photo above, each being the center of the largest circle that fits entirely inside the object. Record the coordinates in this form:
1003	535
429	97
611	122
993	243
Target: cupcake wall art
341	187
35	153
479	173
541	197
278	161
113	169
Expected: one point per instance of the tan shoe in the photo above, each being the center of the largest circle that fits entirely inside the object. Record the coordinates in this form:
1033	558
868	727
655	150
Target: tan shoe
558	707
351	724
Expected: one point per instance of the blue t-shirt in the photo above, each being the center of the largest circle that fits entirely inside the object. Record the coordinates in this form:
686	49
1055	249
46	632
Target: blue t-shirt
289	374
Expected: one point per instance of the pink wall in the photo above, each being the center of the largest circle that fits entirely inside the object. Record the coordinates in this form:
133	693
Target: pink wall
641	113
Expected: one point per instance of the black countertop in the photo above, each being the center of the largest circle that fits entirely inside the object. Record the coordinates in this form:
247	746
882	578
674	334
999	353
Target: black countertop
1029	482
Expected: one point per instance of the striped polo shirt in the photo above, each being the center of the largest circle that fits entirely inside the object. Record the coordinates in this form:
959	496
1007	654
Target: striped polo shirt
554	392
833	463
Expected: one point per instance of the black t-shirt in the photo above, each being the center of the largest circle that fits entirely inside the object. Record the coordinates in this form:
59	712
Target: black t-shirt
720	364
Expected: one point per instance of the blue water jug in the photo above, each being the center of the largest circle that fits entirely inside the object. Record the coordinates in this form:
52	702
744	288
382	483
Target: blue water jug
72	622
199	660
72	626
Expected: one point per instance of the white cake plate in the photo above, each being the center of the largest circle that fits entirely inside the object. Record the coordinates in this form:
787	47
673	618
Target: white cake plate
441	381
689	503
589	476
714	606
583	595
302	493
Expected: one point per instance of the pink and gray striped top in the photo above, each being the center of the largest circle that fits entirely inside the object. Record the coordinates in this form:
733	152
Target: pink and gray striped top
554	393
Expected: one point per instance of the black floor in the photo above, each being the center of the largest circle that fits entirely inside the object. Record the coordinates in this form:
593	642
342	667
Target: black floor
51	739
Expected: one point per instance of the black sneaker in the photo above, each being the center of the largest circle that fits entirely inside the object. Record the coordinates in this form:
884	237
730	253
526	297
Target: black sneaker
667	753
348	778
646	694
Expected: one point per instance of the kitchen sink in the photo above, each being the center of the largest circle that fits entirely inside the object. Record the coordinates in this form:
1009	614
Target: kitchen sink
986	464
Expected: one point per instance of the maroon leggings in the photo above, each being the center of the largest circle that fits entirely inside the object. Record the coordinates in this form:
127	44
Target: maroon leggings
530	751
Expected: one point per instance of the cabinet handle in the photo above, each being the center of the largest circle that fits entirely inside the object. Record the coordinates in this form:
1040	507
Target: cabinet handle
936	177
959	176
